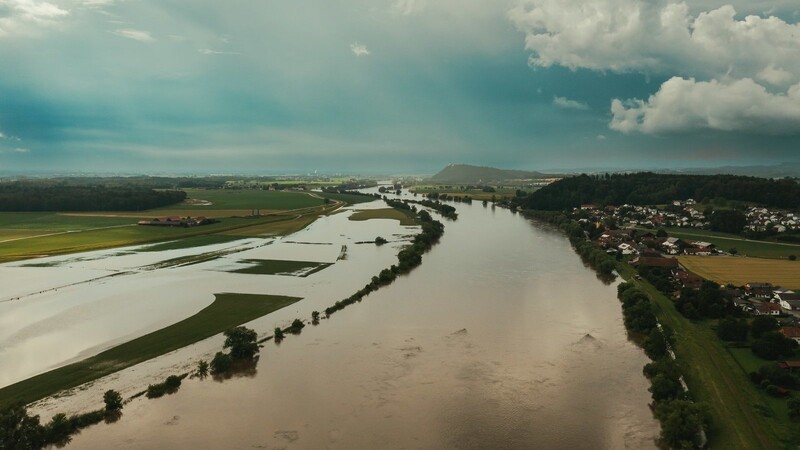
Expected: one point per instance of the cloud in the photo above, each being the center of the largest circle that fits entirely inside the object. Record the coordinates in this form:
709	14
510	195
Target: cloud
359	49
563	102
657	37
733	59
407	7
208	51
136	35
21	150
15	15
601	137
686	104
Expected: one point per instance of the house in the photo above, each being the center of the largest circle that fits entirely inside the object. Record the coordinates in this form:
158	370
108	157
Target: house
588	207
791	333
759	289
788	301
687	280
744	305
789	365
697	251
768	309
627	248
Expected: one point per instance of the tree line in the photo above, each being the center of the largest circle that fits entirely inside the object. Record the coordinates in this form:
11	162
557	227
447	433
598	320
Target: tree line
23	196
647	188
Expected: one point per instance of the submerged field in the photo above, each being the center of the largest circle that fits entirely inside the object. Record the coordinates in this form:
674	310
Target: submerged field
228	310
740	270
281	267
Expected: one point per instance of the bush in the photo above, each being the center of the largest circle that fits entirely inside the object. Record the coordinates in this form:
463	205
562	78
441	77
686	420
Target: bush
59	430
665	388
763	324
730	329
242	341
202	368
113	400
794	408
169	386
297	325
380	241
279	334
681	422
221	363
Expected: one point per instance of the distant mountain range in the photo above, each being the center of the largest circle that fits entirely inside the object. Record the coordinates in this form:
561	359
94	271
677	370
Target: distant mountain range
465	173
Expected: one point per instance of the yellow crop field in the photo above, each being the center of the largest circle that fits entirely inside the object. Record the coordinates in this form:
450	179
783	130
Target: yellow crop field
741	270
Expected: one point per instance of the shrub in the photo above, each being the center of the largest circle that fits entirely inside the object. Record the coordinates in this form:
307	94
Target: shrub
242	341
113	400
221	363
202	368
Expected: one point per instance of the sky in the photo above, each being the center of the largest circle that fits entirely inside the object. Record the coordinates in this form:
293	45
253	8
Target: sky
396	86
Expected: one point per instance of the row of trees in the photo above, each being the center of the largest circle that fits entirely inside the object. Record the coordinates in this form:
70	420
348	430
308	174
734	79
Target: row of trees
646	188
682	420
407	259
19	430
35	196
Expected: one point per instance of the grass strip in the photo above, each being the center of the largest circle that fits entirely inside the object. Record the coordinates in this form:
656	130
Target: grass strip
281	267
228	310
190	242
405	217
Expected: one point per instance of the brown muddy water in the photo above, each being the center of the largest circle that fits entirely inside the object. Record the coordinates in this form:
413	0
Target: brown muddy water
501	339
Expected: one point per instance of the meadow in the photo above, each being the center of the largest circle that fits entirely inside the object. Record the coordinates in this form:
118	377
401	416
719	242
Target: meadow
281	267
404	217
741	270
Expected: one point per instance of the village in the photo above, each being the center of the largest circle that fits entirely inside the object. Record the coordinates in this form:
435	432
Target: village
688	214
655	252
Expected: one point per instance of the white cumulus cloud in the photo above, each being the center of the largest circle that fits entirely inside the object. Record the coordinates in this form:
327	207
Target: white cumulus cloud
563	102
686	104
726	54
407	7
359	49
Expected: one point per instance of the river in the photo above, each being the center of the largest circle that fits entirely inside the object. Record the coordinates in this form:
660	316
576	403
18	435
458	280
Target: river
501	339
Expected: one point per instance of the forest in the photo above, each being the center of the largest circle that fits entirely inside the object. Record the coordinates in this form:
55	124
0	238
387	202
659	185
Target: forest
648	188
26	196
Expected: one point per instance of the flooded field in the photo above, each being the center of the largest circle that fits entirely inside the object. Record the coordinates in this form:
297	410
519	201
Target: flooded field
501	339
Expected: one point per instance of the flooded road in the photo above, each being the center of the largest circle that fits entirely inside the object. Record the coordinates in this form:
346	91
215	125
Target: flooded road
501	339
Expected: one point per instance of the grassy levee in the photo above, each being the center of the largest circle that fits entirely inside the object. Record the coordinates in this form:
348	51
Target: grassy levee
280	267
350	199
228	310
714	377
405	217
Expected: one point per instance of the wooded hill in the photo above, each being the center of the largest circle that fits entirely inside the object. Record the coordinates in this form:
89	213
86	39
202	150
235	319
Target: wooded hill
467	174
646	188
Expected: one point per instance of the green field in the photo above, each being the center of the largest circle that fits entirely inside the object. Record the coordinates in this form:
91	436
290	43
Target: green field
246	199
44	222
745	247
405	217
227	311
281	267
350	199
714	377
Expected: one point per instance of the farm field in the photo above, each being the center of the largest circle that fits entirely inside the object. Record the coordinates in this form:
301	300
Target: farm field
384	213
741	270
228	310
31	235
744	247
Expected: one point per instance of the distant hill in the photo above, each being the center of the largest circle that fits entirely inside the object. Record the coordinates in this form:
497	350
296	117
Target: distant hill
465	173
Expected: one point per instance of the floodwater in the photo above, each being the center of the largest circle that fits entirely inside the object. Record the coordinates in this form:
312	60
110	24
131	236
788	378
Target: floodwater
501	339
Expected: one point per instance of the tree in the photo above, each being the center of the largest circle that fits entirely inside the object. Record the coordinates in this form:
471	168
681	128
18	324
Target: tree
733	251
762	324
794	408
242	342
661	233
298	324
663	388
59	429
792	257
728	221
18	430
730	329
278	334
380	240
221	363
202	368
681	422
113	400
